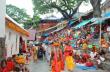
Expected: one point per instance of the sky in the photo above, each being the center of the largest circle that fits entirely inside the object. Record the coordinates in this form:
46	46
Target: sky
27	4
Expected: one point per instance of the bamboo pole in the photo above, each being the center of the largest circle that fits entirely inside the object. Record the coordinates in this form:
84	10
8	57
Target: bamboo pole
100	34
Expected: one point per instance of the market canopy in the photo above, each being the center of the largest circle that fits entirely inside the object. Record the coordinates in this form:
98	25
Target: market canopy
71	22
83	23
107	14
101	20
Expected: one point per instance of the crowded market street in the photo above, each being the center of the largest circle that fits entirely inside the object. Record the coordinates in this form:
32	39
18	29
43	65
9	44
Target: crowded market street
54	35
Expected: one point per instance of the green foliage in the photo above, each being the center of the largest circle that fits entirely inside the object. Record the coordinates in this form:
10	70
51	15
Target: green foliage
66	7
20	16
16	13
36	20
32	22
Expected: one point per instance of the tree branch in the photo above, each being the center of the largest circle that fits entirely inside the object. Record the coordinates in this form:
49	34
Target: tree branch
64	13
75	10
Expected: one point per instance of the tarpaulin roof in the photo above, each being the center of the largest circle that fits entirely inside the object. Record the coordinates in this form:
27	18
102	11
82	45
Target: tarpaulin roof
107	14
70	22
83	23
101	20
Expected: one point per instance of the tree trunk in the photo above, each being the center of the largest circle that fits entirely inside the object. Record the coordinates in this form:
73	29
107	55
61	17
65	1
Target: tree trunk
2	48
96	7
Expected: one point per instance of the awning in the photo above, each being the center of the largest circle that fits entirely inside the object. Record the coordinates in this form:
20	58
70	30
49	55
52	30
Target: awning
83	23
107	14
100	20
10	23
70	22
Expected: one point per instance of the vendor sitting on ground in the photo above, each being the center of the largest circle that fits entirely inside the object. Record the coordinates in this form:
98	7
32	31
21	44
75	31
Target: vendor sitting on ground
85	57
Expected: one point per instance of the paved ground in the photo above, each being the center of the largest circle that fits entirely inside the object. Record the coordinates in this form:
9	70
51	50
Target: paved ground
42	66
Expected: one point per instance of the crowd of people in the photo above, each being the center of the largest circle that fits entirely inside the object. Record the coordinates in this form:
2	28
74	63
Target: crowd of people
65	49
69	48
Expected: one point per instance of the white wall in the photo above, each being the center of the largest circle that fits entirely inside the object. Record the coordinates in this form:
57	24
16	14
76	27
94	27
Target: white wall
2	18
12	44
12	41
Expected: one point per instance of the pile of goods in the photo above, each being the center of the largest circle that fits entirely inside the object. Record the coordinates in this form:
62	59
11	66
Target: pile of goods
20	59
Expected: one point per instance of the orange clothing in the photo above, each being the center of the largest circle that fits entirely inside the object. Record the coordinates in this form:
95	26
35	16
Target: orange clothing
59	66
62	60
10	65
53	66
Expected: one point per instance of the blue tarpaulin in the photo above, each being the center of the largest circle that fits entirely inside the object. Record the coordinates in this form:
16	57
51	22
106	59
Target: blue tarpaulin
107	14
101	20
82	23
46	34
86	68
70	23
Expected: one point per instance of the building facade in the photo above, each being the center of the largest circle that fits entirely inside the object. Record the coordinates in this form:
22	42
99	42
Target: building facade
15	37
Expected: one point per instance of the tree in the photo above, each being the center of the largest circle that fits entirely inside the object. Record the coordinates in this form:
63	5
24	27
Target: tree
36	20
32	22
20	16
96	4
66	7
16	13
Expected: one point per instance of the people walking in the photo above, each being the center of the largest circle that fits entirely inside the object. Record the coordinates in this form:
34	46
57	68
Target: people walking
35	51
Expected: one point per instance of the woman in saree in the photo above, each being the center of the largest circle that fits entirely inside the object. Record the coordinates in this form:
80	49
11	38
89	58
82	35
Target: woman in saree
69	57
55	59
35	50
61	59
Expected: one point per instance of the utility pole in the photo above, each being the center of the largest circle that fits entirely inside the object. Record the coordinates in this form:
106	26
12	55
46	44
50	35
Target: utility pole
2	28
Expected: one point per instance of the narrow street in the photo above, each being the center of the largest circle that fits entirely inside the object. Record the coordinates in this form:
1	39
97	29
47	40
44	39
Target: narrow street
55	36
42	66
